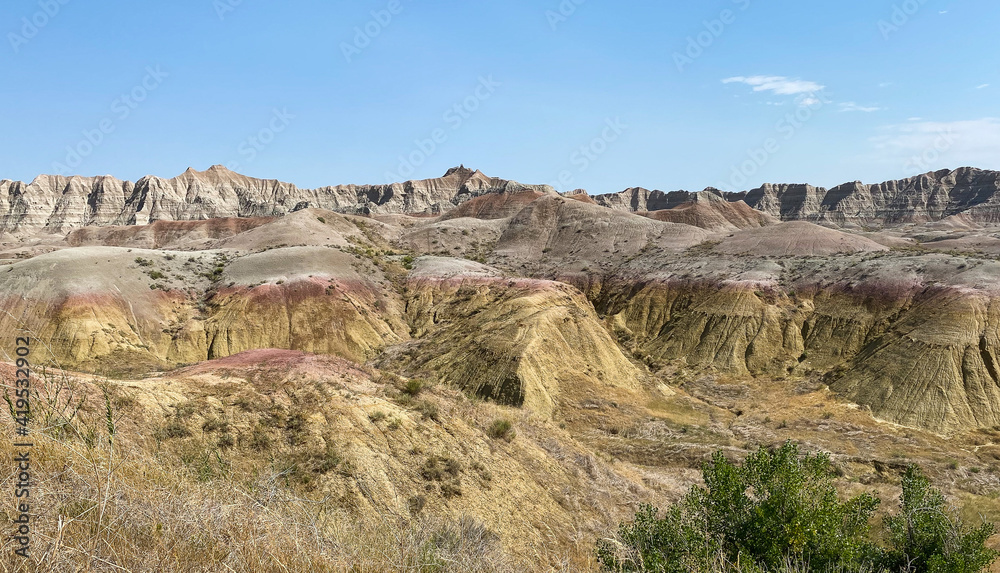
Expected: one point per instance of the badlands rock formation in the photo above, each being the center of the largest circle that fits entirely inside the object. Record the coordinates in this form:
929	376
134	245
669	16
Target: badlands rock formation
520	295
928	197
58	204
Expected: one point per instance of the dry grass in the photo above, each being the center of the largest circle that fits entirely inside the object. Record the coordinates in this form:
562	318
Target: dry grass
146	489
111	497
111	506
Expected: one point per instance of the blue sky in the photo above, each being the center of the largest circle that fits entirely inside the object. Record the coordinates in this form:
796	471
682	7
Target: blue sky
576	93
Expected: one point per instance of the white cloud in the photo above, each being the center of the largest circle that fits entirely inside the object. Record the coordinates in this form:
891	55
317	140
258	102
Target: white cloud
778	85
885	84
921	146
982	87
851	106
915	119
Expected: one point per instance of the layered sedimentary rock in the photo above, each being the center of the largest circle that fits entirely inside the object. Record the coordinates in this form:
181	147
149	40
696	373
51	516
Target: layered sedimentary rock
55	204
936	367
796	238
928	197
520	342
915	355
711	211
163	234
640	199
563	231
60	204
103	308
567	296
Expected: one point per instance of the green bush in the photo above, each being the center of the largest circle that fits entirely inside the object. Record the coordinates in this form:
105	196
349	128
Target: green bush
780	511
502	429
928	537
413	387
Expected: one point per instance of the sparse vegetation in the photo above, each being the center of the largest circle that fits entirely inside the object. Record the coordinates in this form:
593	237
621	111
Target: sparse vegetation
259	440
413	387
172	430
502	429
428	410
113	497
440	468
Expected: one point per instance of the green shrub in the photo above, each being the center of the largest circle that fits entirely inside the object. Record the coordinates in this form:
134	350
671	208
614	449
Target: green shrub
774	509
502	429
451	489
779	511
413	387
926	536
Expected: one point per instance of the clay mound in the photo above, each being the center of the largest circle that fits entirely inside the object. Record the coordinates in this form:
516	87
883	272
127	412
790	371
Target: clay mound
494	206
937	368
520	342
715	214
463	237
965	244
165	234
959	222
313	299
90	270
557	228
892	240
96	306
403	221
308	227
289	263
131	310
796	238
441	268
